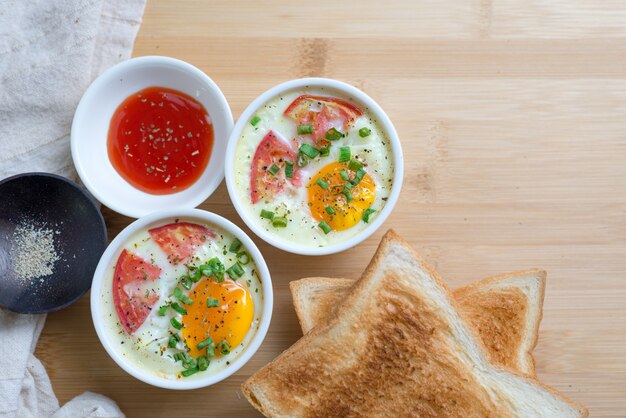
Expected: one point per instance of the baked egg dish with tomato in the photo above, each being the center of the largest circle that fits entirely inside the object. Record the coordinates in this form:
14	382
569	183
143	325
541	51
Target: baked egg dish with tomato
313	167
182	299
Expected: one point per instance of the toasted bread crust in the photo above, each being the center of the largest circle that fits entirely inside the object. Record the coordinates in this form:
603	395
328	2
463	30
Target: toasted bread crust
393	349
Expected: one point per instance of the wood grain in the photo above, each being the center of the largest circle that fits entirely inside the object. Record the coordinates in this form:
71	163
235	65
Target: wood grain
511	115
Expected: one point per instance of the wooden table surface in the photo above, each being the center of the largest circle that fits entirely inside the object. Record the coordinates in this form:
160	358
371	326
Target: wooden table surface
512	116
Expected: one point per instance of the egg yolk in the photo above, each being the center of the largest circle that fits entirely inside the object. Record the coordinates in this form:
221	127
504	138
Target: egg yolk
229	321
343	214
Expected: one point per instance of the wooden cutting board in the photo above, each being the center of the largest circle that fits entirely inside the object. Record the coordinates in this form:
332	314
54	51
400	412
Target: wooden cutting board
512	116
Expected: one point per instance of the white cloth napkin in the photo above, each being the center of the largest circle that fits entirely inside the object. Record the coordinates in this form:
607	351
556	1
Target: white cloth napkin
50	50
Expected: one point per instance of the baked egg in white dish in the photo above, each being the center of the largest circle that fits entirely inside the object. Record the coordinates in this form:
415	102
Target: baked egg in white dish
181	300
314	166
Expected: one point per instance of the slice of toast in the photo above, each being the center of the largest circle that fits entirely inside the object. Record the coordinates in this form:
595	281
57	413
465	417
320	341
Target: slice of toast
397	346
505	310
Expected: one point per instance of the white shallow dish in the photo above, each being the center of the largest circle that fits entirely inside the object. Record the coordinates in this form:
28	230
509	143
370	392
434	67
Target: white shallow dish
107	261
91	124
360	98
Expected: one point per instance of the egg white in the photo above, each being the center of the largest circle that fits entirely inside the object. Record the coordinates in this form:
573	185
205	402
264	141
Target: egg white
143	348
374	150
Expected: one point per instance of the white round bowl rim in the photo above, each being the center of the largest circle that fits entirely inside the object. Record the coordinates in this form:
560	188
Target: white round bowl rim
92	92
144	375
382	119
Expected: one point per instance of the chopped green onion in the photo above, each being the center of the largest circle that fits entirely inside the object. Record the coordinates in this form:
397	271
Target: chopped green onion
267	214
210	349
367	213
288	169
274	169
320	182
360	173
330	210
186	282
305	129
324	152
355	165
309	150
242	257
188	361
172	342
179	356
217	269
205	343
344	175
277	222
347	194
179	308
344	154
325	227
301	160
255	120
195	274
175	323
162	310
223	347
189	372
363	132
235	271
212	303
235	246
203	363
332	134
348	186
178	294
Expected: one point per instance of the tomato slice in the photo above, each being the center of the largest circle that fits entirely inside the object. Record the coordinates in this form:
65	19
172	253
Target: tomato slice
180	239
271	150
323	113
134	294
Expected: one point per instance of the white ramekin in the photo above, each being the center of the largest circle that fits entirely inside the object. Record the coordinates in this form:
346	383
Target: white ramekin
107	261
91	125
359	97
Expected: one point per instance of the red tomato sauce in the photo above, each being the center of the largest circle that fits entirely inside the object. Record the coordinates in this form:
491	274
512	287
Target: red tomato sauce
160	140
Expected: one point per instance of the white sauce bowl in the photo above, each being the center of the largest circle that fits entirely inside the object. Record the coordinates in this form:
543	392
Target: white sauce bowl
91	125
107	261
361	99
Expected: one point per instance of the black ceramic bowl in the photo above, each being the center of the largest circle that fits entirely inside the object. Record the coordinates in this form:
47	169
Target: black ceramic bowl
52	235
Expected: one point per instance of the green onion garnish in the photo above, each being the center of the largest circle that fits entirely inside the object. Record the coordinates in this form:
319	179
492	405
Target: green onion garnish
179	356
309	150
355	165
324	152
171	343
344	154
363	132
305	129
205	343
223	347
288	169
348	186
274	169
267	214
162	310
203	363
175	323
212	303
347	194
367	213
178	294
179	308
235	246
320	182
325	227
189	372
360	173
255	120
242	257
332	134
330	210
195	274
188	361
217	269
186	282
277	222
344	175
301	160
235	271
